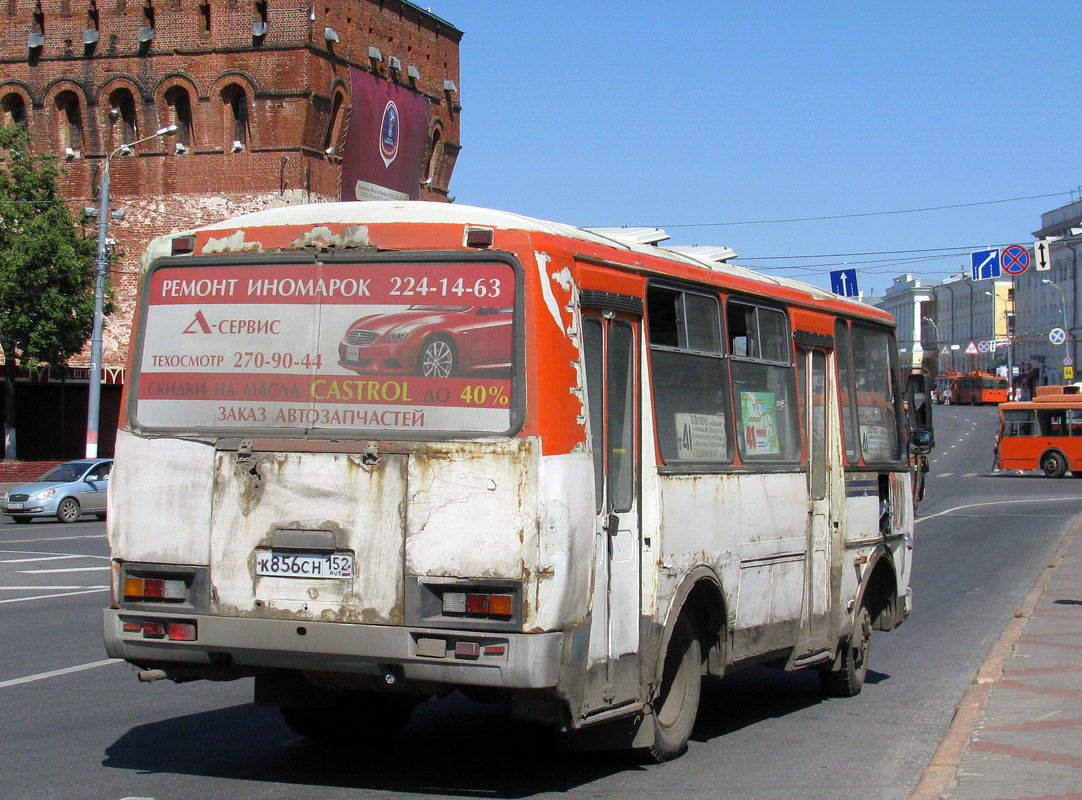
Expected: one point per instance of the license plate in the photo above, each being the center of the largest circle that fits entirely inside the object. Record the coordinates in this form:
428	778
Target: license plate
15	506
303	565
352	353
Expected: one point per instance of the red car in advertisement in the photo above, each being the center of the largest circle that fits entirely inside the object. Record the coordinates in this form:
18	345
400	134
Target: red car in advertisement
430	340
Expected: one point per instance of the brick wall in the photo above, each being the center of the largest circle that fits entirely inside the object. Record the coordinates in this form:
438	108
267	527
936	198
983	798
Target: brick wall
290	78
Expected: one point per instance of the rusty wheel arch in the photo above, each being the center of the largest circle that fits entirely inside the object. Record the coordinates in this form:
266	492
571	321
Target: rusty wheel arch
701	594
879	590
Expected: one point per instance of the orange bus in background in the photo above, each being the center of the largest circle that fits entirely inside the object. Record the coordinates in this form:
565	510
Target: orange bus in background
945	391
979	388
1044	433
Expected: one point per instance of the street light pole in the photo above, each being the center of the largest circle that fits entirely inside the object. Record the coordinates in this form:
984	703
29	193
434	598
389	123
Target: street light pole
1063	313
101	271
935	328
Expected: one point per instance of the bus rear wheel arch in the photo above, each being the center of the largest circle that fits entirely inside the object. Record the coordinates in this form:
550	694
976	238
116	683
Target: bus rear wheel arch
1053	464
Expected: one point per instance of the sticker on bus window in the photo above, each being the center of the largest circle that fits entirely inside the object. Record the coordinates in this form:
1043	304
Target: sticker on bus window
701	437
757	409
875	443
390	347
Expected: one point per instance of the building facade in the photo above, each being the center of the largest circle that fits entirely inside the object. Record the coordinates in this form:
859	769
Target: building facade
1009	324
269	100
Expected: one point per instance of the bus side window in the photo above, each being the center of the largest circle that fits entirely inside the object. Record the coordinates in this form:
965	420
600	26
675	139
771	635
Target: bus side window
1018	423
688	376
1074	421
875	372
764	389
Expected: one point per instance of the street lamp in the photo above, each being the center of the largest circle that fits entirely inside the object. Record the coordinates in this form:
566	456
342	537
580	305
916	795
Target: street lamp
93	404
1062	302
935	328
1063	312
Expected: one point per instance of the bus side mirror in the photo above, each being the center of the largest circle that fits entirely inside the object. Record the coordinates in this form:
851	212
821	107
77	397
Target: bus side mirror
918	396
921	441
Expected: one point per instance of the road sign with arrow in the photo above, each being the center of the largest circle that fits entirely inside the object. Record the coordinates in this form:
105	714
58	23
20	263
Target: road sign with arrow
1042	255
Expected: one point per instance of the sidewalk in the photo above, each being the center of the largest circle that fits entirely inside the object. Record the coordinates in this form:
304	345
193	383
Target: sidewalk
1017	732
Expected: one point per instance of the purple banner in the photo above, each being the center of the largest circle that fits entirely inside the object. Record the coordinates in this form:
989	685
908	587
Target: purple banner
386	140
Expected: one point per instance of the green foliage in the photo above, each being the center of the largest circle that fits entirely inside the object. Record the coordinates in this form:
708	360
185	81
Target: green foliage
46	263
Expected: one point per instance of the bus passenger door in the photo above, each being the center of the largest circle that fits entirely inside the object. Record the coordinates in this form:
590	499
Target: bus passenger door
612	678
815	394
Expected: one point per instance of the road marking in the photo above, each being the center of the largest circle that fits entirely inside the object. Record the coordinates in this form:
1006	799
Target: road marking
49	588
36	558
996	503
65	569
58	672
54	539
50	553
48	596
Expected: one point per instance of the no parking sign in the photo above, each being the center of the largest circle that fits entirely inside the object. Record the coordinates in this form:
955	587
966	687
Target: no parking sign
1015	259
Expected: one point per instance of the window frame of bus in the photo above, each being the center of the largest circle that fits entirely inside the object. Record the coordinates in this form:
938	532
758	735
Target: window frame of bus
676	352
773	368
517	413
892	374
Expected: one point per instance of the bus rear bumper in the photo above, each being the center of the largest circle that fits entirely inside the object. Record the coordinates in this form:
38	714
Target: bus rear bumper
226	645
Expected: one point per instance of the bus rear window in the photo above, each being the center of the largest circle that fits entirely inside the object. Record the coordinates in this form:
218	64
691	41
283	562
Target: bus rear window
372	347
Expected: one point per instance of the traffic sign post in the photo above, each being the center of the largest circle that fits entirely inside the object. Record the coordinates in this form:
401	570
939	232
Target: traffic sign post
1042	255
985	264
1015	259
844	282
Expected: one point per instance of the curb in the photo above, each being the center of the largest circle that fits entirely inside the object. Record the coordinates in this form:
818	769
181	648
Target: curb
939	774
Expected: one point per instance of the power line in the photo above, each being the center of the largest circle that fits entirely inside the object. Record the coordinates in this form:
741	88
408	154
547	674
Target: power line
860	214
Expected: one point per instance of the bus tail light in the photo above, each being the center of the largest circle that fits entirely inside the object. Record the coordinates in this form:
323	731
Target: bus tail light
175	630
181	631
155	589
479	604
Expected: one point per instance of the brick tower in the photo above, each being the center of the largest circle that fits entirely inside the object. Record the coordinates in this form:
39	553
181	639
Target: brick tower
269	99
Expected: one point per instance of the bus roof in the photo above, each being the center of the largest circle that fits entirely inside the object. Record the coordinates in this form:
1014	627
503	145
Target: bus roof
424	212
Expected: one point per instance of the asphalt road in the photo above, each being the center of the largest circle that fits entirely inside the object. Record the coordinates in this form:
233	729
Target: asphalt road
78	726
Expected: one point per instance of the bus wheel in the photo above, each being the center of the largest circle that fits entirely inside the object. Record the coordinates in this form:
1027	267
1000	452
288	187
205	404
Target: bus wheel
849	679
1053	465
677	702
363	717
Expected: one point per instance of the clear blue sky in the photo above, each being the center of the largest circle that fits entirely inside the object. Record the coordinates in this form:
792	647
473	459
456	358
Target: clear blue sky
684	115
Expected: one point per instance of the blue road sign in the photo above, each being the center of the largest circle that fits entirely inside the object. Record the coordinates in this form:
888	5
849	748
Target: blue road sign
1057	336
986	264
1015	259
844	282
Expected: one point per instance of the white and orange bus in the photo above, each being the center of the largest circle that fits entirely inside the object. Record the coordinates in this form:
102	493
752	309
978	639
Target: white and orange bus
1043	433
374	452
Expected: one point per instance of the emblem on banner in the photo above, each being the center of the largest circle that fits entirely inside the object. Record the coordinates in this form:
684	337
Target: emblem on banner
389	134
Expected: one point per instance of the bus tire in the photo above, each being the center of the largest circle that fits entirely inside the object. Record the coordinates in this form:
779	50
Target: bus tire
1054	465
362	717
677	701
848	679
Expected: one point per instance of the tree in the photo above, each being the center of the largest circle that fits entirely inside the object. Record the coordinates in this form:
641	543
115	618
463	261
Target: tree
46	269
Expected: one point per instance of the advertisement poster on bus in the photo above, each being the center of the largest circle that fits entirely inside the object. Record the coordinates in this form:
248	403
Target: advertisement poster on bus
760	423
374	347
